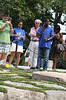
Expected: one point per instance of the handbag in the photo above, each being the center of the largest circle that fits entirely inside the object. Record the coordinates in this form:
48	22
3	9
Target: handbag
61	47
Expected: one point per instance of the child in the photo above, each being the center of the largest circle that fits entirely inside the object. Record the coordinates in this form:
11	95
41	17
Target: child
27	57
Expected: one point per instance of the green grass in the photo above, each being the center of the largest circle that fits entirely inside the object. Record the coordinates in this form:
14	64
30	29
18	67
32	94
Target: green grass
3	90
24	88
24	74
26	78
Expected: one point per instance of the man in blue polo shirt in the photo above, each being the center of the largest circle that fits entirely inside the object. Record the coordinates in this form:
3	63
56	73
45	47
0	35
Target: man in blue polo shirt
44	44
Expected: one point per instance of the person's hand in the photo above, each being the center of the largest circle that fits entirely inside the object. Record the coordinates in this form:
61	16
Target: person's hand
45	40
24	55
58	35
16	35
38	36
10	25
61	36
6	24
22	36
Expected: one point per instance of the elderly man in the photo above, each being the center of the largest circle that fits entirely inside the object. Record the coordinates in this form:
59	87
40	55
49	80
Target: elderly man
34	44
46	34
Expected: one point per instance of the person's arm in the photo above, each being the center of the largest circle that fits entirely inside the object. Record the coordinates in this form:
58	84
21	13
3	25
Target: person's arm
11	28
48	39
25	52
38	33
22	37
14	35
51	36
61	37
32	32
2	28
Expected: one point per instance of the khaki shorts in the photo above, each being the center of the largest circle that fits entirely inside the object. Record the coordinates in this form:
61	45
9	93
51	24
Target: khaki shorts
4	48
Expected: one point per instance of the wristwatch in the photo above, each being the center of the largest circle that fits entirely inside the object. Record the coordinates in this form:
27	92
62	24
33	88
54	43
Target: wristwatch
48	39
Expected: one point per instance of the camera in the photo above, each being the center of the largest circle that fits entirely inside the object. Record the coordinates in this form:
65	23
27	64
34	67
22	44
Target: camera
9	23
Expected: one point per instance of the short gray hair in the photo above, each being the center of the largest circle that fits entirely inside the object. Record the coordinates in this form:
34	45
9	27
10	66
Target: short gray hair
38	20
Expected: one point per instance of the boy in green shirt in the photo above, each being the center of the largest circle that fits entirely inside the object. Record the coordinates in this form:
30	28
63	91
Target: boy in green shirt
5	29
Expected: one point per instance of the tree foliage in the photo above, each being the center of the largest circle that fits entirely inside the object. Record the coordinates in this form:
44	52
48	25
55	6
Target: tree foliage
29	10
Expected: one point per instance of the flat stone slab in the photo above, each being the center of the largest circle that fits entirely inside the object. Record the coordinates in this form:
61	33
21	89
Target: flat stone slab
23	67
4	71
56	95
53	76
50	85
20	84
19	94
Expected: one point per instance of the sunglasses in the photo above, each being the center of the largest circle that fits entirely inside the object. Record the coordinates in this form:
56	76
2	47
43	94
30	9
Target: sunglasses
20	24
37	23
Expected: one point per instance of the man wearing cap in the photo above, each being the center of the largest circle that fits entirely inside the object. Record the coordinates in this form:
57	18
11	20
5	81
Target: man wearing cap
34	44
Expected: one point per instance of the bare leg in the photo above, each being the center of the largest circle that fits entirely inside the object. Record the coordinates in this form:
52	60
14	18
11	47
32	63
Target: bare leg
54	62
11	58
18	57
4	57
29	62
0	56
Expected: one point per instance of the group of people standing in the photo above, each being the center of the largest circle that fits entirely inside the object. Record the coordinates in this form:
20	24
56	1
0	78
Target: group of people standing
40	42
7	30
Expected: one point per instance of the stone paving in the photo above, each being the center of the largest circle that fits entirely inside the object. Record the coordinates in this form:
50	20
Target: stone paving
58	92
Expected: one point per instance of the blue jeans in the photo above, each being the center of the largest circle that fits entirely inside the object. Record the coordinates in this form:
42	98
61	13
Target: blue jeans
43	53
